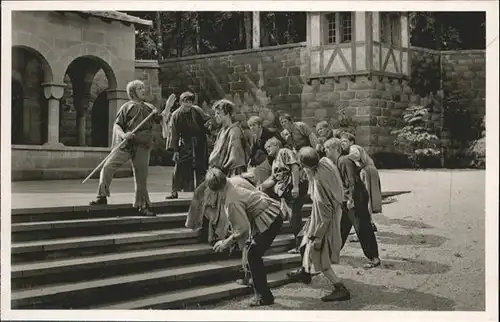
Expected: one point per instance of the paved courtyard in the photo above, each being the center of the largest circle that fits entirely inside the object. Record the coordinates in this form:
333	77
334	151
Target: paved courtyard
431	242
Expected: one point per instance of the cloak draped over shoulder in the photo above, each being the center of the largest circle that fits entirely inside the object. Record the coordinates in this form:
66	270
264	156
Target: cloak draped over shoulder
229	151
324	223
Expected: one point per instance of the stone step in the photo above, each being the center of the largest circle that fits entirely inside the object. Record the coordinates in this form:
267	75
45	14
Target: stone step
27	231
106	265
91	245
25	215
127	287
46	230
93	240
190	298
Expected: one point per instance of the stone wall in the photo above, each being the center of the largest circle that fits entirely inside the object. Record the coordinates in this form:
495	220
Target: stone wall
263	81
257	81
60	38
148	71
465	71
267	80
34	162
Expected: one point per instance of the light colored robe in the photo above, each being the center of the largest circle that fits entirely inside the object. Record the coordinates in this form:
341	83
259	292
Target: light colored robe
229	151
369	175
327	195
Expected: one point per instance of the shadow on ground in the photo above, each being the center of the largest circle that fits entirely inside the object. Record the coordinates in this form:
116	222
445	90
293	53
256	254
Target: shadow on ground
364	296
422	240
406	223
400	264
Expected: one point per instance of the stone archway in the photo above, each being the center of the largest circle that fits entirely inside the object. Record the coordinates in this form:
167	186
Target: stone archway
87	77
30	70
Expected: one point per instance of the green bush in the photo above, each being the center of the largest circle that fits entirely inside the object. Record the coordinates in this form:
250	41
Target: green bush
416	139
477	150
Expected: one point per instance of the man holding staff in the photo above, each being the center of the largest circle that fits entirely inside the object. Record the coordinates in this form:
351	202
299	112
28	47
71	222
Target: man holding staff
134	124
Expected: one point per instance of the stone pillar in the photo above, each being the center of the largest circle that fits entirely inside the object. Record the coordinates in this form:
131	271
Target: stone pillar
255	29
81	98
81	124
82	102
116	98
53	93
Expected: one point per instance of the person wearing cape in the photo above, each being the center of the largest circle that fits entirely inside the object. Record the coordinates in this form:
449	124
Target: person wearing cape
230	154
368	173
355	205
188	140
321	241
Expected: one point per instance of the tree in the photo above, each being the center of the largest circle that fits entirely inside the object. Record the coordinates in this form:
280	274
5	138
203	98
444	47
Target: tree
447	30
415	138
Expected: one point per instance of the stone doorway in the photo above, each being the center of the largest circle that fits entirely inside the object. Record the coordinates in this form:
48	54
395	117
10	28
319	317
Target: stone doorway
84	107
29	106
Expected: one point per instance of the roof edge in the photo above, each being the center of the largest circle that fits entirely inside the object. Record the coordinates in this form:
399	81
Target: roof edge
119	16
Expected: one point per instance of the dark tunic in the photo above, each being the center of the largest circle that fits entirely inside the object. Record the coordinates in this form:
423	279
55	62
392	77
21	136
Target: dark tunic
188	135
359	217
259	154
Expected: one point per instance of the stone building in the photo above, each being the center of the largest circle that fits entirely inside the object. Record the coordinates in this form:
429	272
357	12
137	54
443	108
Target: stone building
56	56
355	69
348	66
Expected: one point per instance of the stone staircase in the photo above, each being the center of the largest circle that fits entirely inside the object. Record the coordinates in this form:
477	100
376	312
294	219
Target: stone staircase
104	257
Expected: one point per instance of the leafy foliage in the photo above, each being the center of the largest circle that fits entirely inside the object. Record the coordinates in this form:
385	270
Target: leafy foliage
414	137
184	33
477	149
181	33
447	30
459	118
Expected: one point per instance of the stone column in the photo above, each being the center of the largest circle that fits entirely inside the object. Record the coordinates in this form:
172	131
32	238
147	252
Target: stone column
116	98
53	93
82	101
255	29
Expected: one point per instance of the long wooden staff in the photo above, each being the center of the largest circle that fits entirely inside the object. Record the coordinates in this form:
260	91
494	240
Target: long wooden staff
170	101
193	146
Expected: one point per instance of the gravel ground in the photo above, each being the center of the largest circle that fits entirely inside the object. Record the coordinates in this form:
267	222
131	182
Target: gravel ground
432	246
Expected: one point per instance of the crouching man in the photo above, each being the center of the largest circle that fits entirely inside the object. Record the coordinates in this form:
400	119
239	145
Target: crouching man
255	220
